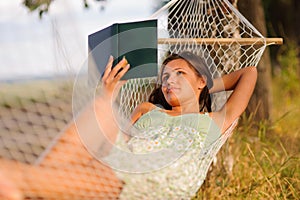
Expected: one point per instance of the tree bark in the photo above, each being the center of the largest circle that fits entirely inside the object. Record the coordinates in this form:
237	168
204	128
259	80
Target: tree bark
261	101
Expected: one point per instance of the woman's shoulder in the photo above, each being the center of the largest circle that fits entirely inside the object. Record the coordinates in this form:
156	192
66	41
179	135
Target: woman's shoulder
141	109
146	106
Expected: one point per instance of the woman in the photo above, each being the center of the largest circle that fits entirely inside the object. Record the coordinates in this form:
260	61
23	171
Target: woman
179	112
177	116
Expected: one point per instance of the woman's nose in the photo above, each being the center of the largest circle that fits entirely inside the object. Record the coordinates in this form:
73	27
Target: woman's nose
171	79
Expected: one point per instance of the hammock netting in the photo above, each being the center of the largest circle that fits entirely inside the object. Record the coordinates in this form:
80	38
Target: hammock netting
39	142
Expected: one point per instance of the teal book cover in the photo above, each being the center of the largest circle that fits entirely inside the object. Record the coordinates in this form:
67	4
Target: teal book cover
137	41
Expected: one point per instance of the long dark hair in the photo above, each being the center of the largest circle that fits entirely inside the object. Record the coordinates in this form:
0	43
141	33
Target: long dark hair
197	63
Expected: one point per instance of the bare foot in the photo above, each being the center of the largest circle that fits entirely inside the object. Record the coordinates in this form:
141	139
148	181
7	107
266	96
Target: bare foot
8	190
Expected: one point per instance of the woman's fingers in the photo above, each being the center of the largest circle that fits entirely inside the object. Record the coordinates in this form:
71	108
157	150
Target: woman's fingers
108	67
112	73
121	73
118	68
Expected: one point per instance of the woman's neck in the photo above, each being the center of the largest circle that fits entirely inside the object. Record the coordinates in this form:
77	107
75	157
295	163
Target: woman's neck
183	109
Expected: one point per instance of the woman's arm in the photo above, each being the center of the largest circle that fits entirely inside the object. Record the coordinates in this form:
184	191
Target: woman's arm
107	121
242	82
95	126
228	81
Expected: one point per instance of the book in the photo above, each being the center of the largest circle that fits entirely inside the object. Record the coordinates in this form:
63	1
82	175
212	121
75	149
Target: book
137	41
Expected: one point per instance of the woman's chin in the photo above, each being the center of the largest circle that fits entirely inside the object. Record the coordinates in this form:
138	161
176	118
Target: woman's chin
173	102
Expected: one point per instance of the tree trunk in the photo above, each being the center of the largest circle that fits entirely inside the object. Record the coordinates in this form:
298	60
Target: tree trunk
261	101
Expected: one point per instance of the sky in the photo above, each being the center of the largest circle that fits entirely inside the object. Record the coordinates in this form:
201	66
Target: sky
31	47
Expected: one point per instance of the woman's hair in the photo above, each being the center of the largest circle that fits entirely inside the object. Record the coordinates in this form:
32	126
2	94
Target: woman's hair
195	62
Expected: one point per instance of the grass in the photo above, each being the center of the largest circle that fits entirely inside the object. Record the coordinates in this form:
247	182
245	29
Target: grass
266	159
266	153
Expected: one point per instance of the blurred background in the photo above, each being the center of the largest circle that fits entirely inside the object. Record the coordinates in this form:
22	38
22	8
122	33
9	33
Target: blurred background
43	43
55	43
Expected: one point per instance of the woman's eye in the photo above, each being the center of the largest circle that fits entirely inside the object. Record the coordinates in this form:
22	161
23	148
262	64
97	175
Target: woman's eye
179	72
165	78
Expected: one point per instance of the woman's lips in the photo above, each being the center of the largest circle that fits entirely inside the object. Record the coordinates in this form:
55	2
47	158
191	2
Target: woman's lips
172	89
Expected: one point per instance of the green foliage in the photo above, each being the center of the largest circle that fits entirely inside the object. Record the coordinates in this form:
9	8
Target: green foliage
41	5
289	62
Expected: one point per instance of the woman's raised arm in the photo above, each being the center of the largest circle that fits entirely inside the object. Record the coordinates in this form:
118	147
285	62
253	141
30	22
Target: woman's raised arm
228	81
96	123
242	82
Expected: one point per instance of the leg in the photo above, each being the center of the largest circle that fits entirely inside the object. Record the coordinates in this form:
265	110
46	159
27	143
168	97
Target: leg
68	171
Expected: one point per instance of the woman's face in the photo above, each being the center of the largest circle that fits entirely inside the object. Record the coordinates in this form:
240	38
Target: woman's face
180	83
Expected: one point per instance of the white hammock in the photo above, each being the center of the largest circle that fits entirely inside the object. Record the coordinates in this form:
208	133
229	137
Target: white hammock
213	29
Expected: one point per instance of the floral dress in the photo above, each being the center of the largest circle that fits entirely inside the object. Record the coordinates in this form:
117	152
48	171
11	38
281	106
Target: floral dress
162	159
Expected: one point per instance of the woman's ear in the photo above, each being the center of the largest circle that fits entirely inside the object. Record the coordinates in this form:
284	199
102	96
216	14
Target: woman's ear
201	82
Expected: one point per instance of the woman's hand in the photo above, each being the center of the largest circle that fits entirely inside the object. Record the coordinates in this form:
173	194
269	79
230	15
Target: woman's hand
100	120
111	79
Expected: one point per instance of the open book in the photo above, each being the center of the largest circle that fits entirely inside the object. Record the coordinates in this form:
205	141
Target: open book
137	41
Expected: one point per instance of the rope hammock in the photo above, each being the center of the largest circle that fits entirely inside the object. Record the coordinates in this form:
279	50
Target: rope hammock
62	167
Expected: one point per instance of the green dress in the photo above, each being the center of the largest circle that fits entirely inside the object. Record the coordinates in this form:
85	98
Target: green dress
177	177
